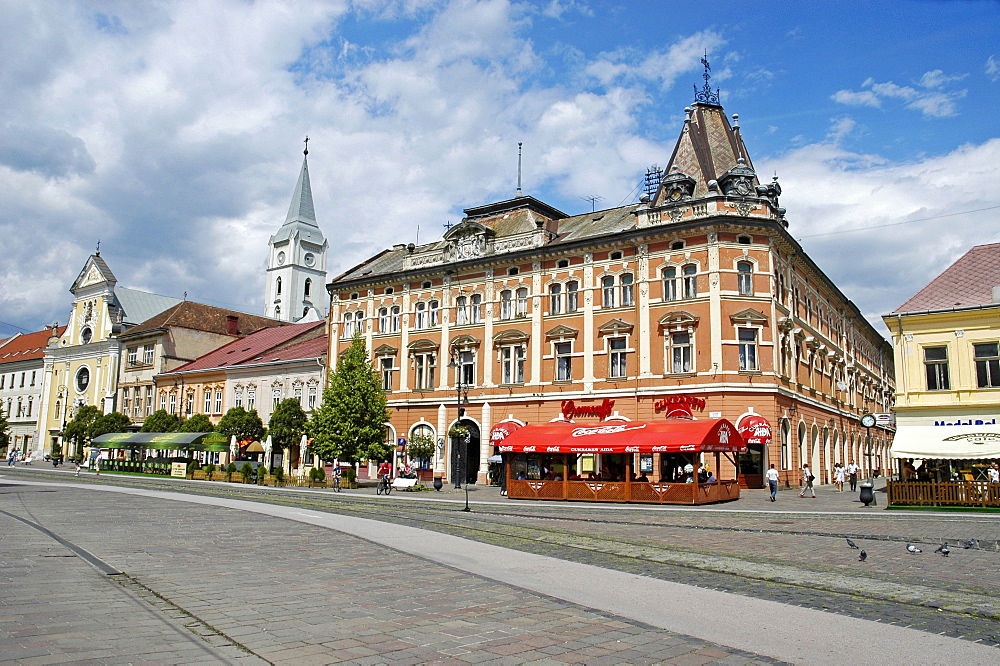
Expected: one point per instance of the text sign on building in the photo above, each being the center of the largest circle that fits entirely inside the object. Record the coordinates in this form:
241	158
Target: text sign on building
602	411
755	429
679	405
178	469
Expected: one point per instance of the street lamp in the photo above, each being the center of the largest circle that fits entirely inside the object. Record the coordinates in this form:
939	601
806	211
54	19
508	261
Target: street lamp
462	398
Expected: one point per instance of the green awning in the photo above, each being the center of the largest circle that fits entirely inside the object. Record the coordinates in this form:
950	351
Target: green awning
161	440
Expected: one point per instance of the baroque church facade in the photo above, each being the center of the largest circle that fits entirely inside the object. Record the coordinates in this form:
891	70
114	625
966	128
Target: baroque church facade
696	301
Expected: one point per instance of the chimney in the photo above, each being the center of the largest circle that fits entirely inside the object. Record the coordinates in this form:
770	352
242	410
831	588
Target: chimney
232	324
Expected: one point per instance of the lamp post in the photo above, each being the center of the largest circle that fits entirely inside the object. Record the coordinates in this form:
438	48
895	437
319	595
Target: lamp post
462	398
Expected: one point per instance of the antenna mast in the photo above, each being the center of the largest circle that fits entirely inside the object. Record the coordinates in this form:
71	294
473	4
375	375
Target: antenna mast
518	170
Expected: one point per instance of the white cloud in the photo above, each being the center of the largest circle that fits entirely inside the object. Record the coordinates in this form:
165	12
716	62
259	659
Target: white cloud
929	97
992	68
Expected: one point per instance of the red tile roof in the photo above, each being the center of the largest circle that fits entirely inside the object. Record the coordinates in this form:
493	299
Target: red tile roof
254	345
308	349
966	283
27	346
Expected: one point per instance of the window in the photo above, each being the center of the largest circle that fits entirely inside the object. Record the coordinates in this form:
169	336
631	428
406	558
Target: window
563	263
744	270
748	348
386	364
277	286
297	394
513	271
218	401
239	398
466	370
395	319
426	284
149	400
555	299
173	403
670	284
680	352
677	245
86	336
359	322
312	398
627	293
432	313
251	399
208	402
383	320
987	364
277	312
424	365
690	281
308	287
133	356
522	302
476	309
163	402
82	379
564	361
275	398
421	317
572	289
389	290
608	291
744	240
936	366
617	357
506	304
126	401
615	256
147	354
348	325
512	359
461	310
189	404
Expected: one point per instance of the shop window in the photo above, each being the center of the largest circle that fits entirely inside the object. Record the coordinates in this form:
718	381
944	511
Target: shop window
748	348
987	357
681	352
744	270
512	359
564	361
617	358
936	367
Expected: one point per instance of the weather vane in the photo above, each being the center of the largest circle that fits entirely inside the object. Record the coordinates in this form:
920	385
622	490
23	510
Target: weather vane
705	95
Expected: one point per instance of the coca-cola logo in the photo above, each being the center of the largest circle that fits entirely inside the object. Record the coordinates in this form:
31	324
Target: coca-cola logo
605	430
755	429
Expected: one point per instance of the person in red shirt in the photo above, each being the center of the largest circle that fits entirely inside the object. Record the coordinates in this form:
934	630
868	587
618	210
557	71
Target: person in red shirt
384	470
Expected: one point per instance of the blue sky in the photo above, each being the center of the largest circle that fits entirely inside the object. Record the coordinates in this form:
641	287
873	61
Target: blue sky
172	131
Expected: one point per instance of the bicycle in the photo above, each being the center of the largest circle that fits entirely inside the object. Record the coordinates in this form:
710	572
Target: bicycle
383	486
336	484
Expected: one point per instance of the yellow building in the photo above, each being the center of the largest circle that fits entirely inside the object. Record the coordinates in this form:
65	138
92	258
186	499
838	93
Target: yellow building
946	342
81	365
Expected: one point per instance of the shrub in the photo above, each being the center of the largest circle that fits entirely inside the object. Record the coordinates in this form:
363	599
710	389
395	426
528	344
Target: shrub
192	466
230	468
349	474
279	474
317	474
247	471
209	468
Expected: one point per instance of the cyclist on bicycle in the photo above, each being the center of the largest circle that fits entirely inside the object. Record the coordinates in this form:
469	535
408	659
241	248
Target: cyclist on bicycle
384	470
336	477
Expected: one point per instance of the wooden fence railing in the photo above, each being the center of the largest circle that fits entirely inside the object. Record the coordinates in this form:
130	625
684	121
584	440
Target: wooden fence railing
932	493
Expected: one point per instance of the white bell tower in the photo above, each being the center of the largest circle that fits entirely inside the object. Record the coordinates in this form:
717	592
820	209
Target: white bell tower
296	262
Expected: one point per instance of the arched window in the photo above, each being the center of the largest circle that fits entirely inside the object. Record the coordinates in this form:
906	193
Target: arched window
670	284
627	294
383	320
522	302
690	281
277	286
476	309
506	304
461	310
555	299
421	318
608	291
744	270
309	284
572	287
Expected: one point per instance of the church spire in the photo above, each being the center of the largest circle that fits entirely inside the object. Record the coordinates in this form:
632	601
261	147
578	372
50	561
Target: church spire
301	209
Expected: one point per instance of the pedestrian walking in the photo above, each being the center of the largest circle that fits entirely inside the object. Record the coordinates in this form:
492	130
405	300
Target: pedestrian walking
807	482
852	472
839	476
97	464
772	482
11	457
78	466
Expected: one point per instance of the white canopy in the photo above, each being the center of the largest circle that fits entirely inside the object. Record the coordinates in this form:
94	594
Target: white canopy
947	442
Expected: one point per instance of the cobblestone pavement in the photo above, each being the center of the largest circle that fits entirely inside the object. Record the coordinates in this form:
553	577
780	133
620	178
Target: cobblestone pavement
793	551
205	584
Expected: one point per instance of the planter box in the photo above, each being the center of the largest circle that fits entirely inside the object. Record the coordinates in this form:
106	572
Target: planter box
220	476
199	475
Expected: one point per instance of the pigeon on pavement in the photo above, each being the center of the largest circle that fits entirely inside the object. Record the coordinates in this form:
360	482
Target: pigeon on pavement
971	543
910	548
852	544
863	556
943	549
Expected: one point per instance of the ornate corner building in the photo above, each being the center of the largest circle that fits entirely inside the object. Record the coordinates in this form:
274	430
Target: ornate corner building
696	300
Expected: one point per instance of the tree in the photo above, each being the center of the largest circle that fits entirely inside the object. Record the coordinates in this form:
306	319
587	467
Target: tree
160	421
350	423
197	423
246	426
77	429
105	423
4	430
287	423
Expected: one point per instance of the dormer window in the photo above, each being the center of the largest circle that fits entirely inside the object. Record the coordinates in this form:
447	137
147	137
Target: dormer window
677	245
563	263
744	240
426	284
354	296
616	255
513	270
389	290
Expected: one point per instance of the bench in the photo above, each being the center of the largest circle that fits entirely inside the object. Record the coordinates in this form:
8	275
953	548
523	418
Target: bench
403	484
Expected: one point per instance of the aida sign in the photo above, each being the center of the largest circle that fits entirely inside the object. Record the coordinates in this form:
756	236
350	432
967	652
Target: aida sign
755	429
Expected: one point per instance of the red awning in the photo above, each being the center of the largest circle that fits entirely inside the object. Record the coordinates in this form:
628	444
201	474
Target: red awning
501	431
674	436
